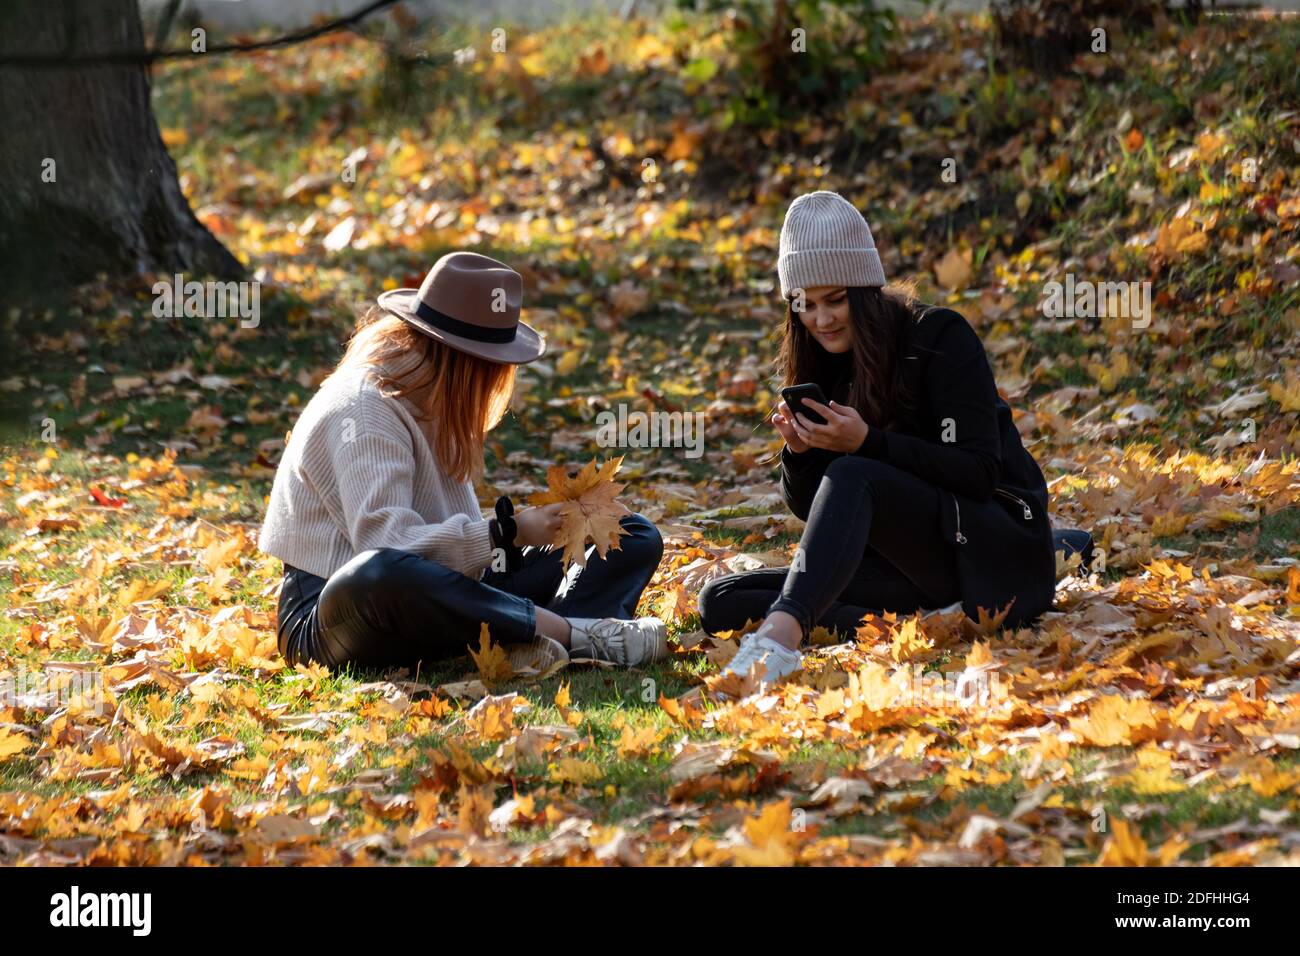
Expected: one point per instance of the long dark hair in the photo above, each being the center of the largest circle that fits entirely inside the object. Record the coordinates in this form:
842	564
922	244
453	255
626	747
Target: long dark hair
879	320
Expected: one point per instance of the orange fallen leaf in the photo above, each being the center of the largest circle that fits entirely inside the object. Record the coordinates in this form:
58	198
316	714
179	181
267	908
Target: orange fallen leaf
105	500
1293	585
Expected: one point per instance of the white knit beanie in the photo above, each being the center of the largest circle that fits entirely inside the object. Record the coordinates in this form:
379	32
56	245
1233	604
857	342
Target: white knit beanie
825	241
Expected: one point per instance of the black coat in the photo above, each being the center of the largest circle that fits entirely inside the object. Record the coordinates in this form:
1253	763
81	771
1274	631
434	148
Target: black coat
995	506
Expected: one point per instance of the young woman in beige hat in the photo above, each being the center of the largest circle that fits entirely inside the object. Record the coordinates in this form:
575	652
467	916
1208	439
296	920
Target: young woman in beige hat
916	490
388	560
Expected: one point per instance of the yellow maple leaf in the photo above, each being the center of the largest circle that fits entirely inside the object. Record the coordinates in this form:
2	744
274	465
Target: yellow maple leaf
563	703
990	622
573	770
589	511
979	655
1154	773
12	743
676	603
491	660
1286	393
252	768
649	47
1113	720
140	590
475	809
568	362
908	642
222	552
772	839
822	637
683	712
639	743
1125	847
492	718
1269	781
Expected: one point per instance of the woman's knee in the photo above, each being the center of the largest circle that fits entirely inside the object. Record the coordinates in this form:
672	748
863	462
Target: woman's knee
643	543
867	474
856	468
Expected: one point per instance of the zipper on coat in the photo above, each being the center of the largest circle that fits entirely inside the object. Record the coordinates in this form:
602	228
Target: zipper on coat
961	538
1029	515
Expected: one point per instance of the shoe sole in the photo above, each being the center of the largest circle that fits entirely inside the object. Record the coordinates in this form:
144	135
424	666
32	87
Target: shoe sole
541	656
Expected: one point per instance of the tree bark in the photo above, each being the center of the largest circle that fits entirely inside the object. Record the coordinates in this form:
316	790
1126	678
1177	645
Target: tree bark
114	205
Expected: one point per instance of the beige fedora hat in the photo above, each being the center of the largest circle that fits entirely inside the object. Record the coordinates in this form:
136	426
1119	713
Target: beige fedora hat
471	303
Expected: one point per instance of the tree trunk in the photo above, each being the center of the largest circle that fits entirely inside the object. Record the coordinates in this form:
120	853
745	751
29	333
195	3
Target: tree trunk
114	205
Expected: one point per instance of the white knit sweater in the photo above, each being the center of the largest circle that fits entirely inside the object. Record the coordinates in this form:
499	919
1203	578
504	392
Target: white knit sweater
359	472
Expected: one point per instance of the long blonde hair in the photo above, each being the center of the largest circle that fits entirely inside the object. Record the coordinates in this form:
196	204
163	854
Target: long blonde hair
463	395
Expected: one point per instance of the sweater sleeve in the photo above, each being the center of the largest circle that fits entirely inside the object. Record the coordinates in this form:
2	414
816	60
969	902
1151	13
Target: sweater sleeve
967	459
374	473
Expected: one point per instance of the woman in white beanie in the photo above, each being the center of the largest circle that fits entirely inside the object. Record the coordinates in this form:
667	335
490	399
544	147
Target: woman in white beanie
917	491
388	560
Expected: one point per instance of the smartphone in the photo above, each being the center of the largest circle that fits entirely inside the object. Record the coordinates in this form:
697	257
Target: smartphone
794	396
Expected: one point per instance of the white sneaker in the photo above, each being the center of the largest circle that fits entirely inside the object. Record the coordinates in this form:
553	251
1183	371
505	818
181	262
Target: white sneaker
774	659
540	656
628	643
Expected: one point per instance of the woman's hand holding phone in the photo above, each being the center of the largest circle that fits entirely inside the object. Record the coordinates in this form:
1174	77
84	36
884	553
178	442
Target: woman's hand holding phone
844	429
784	423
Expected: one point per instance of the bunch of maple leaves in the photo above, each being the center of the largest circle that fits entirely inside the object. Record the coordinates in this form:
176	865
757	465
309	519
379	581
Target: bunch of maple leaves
589	509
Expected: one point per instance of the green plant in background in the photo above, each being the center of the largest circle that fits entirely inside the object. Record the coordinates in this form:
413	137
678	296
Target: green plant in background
794	54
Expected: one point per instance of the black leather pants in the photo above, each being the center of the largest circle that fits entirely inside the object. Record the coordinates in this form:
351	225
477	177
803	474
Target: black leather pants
389	608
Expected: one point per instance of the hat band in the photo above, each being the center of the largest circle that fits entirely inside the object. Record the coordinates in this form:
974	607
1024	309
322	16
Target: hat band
466	330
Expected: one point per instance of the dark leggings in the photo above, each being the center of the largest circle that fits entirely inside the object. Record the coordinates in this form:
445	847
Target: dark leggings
872	544
389	608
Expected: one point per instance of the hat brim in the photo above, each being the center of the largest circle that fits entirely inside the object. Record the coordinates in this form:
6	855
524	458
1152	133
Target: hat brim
527	345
